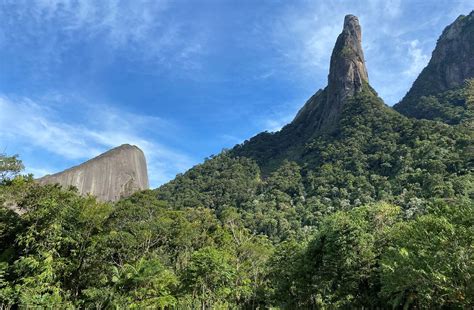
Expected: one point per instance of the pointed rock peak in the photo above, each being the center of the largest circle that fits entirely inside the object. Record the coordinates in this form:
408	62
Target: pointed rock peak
347	71
347	76
452	61
455	47
351	25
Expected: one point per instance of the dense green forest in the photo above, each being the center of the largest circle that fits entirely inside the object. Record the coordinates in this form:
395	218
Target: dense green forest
376	155
450	106
377	212
69	251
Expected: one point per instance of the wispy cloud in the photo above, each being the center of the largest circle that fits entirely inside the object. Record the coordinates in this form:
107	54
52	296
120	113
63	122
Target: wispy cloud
305	34
417	59
268	64
280	115
142	29
274	125
38	123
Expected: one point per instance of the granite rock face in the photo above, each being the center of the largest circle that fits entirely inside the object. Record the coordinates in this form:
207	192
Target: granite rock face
347	75
347	71
451	63
110	176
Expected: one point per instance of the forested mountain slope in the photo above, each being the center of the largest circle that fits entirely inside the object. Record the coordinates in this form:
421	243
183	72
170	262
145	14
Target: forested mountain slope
345	148
381	196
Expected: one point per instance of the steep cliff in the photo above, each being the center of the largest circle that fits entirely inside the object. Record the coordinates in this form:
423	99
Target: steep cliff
439	92
114	174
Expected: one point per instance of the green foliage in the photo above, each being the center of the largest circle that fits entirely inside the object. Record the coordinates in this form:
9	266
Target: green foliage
67	251
372	257
380	155
431	260
374	155
209	276
339	267
10	166
285	274
353	190
144	284
452	106
207	185
51	242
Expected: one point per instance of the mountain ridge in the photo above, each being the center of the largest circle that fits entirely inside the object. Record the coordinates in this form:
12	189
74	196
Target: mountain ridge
354	206
347	75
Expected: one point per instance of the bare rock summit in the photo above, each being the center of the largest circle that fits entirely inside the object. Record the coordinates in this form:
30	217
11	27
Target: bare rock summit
453	58
347	75
347	71
110	176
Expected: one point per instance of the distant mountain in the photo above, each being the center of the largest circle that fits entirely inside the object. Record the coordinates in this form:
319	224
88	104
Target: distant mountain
441	91
115	174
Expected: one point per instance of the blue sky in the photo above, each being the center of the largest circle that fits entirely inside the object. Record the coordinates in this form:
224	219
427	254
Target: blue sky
185	79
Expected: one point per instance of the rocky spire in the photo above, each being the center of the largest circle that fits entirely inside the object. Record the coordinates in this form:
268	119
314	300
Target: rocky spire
347	74
347	71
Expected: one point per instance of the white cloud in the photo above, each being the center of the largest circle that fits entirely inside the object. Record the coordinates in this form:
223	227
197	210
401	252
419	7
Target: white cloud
304	40
389	8
280	115
39	171
119	22
418	59
274	125
26	122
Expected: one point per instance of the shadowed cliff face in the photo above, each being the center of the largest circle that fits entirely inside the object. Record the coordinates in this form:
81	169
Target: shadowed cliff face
453	57
451	64
110	176
347	75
